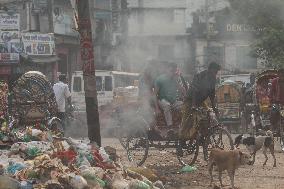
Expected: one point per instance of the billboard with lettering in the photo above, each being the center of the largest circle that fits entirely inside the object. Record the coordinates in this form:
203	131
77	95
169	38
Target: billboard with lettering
10	45
38	44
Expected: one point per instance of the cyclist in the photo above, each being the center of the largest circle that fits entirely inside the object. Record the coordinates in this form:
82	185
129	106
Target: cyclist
202	87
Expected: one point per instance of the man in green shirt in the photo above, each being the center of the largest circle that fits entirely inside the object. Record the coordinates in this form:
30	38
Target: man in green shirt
166	89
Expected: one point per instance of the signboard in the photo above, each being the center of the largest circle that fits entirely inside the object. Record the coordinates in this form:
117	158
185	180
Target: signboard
38	44
9	22
10	46
229	110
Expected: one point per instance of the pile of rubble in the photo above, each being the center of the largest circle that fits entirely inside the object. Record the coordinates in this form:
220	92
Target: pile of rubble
59	163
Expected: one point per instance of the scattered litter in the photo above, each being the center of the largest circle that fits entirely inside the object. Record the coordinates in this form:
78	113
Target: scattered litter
188	169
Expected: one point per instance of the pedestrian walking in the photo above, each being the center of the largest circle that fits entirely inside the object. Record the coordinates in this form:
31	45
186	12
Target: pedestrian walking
62	94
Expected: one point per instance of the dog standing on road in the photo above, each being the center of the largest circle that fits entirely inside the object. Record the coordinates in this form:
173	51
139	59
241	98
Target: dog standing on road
254	144
226	160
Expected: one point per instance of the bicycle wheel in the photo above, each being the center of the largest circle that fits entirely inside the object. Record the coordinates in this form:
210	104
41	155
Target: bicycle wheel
219	138
187	151
137	147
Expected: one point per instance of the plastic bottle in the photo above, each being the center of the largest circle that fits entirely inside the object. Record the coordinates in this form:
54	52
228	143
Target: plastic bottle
188	169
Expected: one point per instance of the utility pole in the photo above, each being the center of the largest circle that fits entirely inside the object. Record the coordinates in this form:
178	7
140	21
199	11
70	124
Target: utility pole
207	32
50	15
86	20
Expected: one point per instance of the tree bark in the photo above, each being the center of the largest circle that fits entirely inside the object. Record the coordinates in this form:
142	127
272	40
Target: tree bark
85	21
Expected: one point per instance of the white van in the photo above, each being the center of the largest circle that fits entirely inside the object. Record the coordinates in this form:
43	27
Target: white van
106	83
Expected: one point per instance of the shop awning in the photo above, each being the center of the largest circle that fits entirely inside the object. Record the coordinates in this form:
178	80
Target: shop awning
44	59
41	59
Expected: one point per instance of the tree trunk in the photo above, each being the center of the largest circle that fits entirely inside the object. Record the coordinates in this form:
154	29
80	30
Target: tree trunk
85	16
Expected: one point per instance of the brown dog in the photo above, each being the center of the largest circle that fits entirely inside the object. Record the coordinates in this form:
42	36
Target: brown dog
227	160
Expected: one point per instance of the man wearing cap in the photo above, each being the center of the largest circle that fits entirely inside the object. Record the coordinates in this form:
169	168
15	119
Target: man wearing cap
202	87
62	94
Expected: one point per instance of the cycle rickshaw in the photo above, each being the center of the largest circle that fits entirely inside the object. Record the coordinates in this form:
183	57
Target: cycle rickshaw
266	110
262	95
228	96
143	136
33	103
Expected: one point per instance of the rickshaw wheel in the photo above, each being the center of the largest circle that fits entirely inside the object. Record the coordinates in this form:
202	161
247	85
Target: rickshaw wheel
219	138
187	151
137	147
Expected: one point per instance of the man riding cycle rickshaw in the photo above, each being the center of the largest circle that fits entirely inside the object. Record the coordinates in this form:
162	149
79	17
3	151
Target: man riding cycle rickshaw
201	88
174	123
167	88
277	101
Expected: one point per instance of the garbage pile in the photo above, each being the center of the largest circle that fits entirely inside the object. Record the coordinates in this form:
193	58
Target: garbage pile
34	157
72	164
3	98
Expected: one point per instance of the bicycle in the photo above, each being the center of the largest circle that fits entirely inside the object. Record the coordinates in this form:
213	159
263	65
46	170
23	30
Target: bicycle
210	134
140	141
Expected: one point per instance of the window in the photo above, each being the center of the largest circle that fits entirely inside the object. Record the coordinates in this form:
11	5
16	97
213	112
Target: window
77	84
244	59
99	83
108	83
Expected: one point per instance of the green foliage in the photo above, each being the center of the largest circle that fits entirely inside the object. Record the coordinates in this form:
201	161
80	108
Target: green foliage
267	17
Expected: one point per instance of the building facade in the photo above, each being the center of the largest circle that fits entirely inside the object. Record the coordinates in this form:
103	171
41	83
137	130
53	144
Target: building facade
27	42
157	30
218	35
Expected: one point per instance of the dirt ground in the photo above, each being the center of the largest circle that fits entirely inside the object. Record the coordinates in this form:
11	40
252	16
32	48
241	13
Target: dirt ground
247	177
